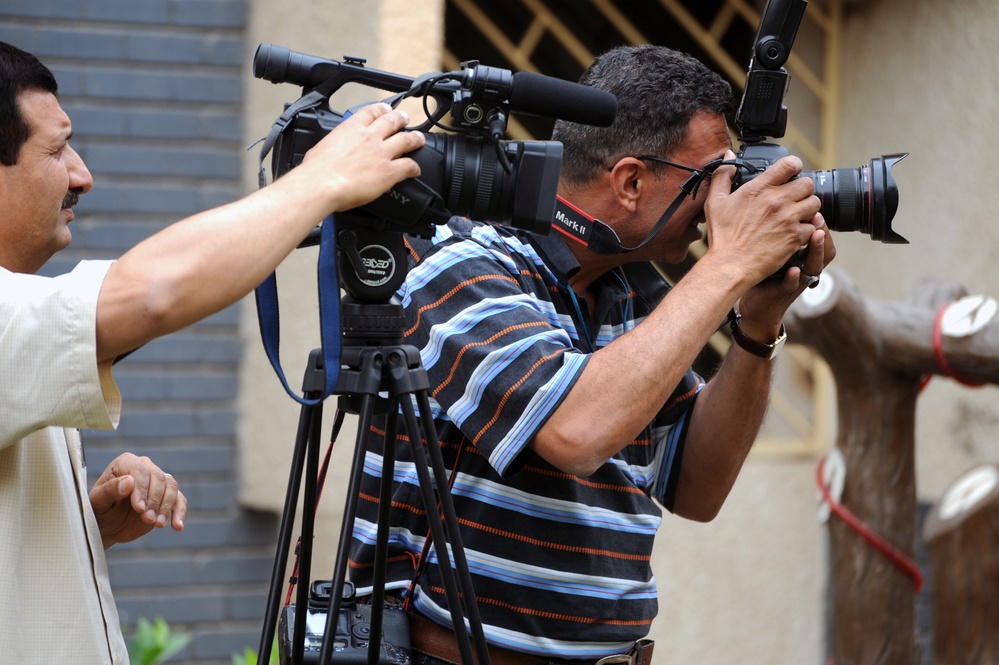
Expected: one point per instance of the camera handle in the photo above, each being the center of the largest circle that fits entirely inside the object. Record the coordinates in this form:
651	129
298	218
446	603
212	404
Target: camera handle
366	370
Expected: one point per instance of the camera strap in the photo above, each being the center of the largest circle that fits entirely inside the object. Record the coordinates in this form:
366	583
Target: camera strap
596	235
269	317
266	295
589	231
600	238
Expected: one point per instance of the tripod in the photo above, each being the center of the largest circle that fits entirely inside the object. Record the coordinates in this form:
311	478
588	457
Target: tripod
373	364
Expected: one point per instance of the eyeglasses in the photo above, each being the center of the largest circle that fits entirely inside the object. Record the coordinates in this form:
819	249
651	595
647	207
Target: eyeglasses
693	183
660	160
697	176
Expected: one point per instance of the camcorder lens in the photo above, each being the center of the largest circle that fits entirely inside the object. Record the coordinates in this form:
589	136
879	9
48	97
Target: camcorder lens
471	176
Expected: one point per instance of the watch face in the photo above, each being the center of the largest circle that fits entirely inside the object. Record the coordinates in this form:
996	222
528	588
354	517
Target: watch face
778	344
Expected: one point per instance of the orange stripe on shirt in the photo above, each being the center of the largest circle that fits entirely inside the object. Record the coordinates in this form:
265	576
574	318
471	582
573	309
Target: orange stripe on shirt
560	547
503	401
489	340
447	296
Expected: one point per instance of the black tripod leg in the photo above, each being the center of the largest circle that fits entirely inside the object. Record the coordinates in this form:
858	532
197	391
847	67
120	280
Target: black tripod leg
308	531
302	440
443	503
451	522
384	526
346	531
430	502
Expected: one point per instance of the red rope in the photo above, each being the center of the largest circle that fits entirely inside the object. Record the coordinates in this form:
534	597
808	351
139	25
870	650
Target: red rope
938	353
886	548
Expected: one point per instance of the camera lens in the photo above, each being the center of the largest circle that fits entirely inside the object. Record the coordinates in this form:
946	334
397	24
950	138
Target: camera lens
863	199
516	188
840	192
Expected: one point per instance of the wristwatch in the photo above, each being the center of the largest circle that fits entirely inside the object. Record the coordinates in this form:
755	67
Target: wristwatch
766	351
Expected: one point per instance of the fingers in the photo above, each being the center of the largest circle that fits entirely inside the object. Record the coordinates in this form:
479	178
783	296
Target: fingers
162	495
780	171
404	142
721	180
153	493
108	489
819	251
388	122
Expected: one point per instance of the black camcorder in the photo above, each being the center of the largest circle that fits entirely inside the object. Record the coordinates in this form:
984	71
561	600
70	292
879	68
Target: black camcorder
862	199
470	171
467	171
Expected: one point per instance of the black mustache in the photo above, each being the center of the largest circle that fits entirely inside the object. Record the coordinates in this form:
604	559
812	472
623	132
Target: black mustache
72	198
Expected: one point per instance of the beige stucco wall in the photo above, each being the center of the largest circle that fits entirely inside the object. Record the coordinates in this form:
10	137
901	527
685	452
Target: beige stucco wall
922	78
393	35
749	587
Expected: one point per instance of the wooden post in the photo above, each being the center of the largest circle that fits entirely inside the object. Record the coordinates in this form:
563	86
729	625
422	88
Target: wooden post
962	535
878	353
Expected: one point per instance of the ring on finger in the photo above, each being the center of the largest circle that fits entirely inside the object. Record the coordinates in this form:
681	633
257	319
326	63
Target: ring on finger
811	281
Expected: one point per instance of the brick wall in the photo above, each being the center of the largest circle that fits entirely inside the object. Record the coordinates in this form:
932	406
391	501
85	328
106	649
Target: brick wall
153	88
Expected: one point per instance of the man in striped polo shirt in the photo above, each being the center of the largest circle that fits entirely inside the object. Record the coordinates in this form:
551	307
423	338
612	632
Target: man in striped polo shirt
560	372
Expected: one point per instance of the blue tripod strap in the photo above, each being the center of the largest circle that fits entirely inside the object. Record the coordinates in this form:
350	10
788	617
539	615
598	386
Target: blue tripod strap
269	317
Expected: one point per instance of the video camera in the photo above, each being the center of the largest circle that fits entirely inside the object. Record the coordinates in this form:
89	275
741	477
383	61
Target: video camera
863	199
470	171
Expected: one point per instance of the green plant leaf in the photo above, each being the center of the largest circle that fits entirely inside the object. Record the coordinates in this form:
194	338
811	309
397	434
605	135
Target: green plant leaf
154	643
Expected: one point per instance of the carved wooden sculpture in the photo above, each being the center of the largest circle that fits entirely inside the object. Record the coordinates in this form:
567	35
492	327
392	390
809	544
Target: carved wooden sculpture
879	353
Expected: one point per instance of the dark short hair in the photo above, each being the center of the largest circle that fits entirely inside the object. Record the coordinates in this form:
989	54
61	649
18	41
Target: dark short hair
658	92
19	71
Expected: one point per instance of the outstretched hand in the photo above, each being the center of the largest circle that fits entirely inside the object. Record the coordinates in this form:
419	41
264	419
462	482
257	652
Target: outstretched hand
363	156
132	496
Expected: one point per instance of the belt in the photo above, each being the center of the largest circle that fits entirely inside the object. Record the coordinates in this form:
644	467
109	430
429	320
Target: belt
437	641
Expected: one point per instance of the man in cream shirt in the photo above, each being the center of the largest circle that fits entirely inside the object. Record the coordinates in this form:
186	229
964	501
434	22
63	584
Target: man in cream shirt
59	336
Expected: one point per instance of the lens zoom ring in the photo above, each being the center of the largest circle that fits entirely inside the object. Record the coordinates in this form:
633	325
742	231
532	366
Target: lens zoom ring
484	189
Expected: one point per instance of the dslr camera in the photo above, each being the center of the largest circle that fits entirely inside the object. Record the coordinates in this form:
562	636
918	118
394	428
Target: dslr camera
353	630
862	199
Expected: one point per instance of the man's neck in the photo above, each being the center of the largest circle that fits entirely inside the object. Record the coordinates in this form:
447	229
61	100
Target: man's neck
591	267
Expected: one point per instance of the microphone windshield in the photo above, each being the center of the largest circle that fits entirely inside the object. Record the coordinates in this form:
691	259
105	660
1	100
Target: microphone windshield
557	98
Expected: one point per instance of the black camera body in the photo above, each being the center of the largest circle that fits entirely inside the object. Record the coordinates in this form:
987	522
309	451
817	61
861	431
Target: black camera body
353	630
862	199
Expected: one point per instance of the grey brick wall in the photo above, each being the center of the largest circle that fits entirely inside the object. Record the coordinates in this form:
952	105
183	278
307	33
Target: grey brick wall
153	88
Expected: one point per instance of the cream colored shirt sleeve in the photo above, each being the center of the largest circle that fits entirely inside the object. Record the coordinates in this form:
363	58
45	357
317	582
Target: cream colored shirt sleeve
48	351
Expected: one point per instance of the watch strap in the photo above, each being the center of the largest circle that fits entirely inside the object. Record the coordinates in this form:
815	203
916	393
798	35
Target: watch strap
747	343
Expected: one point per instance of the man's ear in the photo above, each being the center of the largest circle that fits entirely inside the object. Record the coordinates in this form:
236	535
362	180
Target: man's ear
629	179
